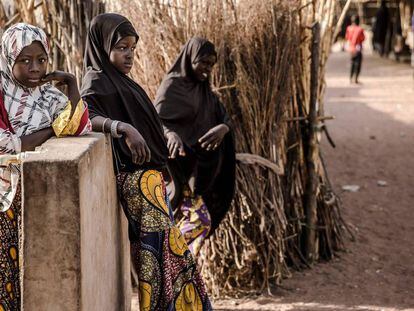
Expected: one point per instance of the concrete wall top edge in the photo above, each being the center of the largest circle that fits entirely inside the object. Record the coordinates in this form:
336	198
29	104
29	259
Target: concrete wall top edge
65	149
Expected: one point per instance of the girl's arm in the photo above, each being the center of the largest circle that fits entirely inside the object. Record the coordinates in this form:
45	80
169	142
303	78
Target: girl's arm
74	119
98	122
213	138
175	144
73	93
11	144
65	78
140	151
31	141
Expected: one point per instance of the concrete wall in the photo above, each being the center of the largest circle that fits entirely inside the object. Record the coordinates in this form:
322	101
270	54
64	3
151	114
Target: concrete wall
75	241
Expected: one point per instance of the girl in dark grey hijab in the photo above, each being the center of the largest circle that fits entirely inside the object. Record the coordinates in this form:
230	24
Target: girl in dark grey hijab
168	277
200	142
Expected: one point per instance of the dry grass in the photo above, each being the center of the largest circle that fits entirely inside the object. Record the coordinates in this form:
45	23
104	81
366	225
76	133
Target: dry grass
263	78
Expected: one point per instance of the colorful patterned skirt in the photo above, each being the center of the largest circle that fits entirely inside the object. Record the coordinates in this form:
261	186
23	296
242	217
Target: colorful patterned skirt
9	256
195	220
167	272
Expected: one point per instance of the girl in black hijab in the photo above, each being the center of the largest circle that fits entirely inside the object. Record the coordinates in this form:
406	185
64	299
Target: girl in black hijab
200	142
168	278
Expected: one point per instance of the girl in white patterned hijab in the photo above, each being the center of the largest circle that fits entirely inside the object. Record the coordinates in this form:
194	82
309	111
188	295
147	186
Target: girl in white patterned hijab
30	107
33	110
32	102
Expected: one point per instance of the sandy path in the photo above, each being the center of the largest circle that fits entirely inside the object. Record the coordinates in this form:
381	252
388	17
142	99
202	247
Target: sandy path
374	133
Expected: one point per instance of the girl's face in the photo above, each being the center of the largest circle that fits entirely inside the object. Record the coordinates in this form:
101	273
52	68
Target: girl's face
122	54
31	65
202	69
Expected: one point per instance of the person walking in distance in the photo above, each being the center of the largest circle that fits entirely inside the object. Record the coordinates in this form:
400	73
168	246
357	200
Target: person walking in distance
355	36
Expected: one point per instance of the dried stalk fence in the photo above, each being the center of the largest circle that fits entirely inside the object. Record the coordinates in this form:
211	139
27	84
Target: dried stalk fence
272	56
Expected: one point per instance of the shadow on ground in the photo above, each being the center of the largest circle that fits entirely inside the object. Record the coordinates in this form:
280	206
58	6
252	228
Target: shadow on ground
374	133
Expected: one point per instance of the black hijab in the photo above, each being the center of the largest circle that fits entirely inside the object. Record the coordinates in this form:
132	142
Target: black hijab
190	108
185	105
112	94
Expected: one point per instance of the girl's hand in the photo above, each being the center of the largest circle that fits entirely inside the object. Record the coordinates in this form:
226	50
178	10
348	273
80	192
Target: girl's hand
65	78
136	143
61	77
175	145
213	138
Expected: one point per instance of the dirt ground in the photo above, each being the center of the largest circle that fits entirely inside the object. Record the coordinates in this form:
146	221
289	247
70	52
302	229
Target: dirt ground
374	133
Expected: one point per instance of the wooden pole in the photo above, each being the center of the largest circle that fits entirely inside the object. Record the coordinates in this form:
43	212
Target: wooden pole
313	151
3	17
341	18
361	12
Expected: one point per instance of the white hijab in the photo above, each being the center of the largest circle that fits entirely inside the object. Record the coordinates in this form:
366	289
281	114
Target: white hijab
28	109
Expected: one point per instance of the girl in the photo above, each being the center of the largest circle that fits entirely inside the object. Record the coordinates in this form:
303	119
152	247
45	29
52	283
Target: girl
355	36
198	130
32	110
168	278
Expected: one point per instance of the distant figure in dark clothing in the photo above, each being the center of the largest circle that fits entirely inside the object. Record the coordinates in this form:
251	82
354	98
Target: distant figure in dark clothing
399	47
381	26
355	36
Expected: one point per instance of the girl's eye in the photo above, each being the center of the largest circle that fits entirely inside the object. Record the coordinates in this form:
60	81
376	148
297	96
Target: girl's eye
42	60
122	48
133	48
25	61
